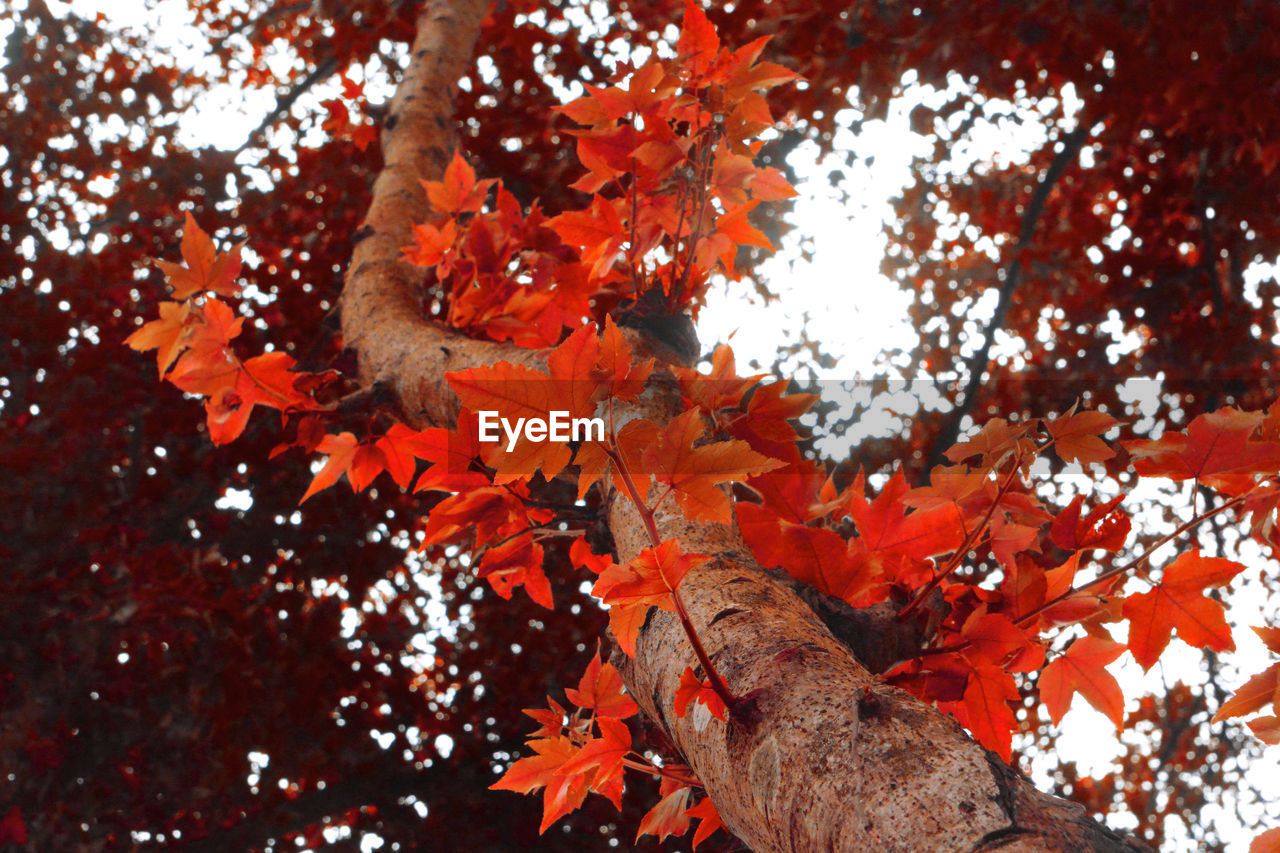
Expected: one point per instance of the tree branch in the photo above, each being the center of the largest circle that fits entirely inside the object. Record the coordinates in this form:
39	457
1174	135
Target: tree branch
977	364
797	766
321	72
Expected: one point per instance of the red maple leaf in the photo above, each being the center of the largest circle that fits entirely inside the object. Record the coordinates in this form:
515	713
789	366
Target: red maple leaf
1076	436
1214	444
562	794
1104	527
203	268
603	755
1177	602
600	689
647	581
693	689
1082	669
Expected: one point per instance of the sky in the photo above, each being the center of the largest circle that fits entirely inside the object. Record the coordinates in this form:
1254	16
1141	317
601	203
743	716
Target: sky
837	294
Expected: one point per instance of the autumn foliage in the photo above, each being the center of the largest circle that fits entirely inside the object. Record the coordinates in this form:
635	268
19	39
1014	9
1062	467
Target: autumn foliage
1020	591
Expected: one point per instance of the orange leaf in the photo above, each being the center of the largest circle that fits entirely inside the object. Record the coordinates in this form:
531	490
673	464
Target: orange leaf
1082	669
515	392
668	817
1267	842
814	555
1177	603
600	688
694	689
1266	729
649	579
1254	695
695	473
1076	436
563	793
996	440
709	819
203	268
987	695
342	450
604	755
514	563
993	637
722	388
698	42
1215	443
1104	527
164	334
457	191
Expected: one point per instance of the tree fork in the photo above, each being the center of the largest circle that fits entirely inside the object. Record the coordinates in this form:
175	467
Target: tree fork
820	755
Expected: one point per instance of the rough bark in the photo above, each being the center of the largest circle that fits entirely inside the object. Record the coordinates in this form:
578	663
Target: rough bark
819	756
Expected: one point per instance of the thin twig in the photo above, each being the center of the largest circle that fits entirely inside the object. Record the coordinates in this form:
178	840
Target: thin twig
977	364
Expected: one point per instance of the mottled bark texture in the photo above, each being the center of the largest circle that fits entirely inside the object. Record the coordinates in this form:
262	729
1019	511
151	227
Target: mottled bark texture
819	756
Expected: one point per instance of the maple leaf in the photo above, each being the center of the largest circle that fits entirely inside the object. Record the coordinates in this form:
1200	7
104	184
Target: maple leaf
1267	842
551	719
458	191
513	391
647	581
814	555
766	424
600	689
398	447
341	449
1009	538
450	453
1104	527
694	473
1266	729
596	231
1214	444
668	817
994	442
885	527
625	623
203	268
582	557
987	714
1082	669
625	378
1260	690
226	415
708	817
585	369
722	388
206	366
164	334
993	639
562	794
1254	695
516	563
1076	436
948	485
604	755
483	514
699	41
430	244
1176	602
369	461
693	689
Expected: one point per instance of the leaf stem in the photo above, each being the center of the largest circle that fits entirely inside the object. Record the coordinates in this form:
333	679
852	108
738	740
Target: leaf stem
965	546
717	682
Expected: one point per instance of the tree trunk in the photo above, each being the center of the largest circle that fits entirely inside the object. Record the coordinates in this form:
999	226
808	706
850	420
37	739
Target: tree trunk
820	756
